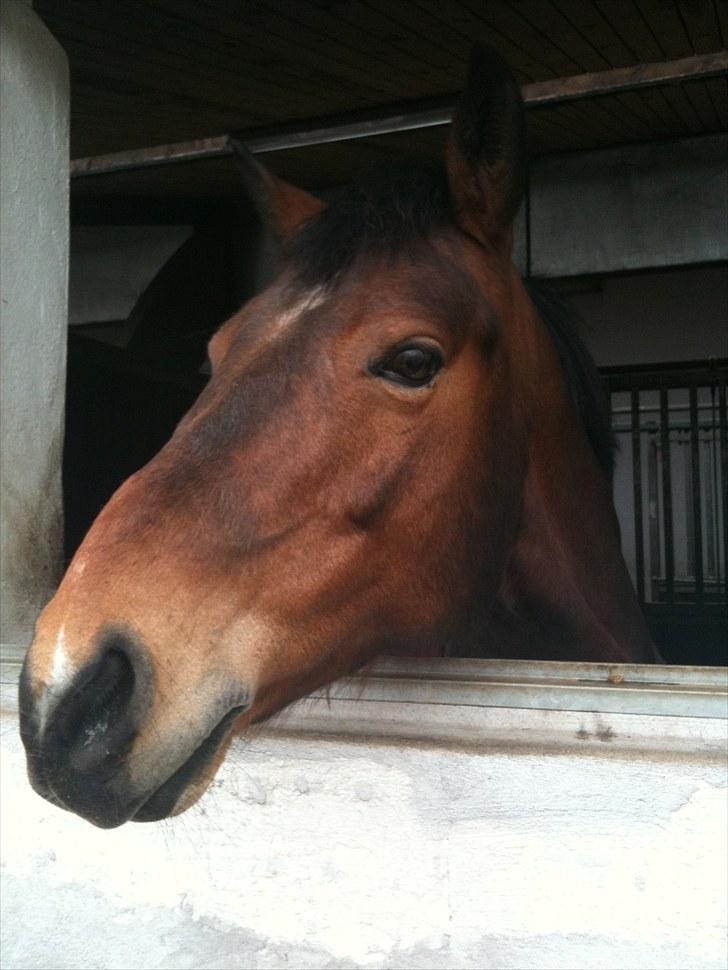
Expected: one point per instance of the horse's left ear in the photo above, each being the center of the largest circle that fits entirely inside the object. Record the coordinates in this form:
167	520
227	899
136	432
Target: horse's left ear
282	207
486	159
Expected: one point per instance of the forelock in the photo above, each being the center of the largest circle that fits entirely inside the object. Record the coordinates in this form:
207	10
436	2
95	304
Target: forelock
385	216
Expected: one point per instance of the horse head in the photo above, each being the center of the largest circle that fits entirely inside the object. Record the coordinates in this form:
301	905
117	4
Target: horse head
367	470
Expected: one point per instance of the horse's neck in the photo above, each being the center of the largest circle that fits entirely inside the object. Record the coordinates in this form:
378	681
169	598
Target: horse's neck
566	593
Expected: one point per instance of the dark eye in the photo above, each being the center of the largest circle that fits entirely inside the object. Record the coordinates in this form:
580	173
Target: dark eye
414	365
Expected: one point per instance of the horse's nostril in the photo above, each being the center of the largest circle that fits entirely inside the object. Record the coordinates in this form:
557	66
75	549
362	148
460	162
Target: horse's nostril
92	728
100	729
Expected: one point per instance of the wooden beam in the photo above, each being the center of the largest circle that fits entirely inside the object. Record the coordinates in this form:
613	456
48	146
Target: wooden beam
185	151
539	94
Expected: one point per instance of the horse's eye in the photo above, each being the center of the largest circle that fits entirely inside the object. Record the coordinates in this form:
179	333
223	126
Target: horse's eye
414	365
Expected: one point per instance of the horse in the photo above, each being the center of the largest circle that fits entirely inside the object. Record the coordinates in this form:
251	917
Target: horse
395	453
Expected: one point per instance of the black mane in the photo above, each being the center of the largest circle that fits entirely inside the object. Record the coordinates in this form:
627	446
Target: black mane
582	377
388	215
384	215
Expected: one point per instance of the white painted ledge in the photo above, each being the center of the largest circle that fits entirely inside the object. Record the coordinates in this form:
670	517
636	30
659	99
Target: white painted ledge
414	820
507	703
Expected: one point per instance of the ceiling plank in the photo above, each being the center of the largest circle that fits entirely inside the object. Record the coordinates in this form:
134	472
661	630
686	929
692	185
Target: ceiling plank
163	71
628	23
543	94
700	21
721	15
589	20
668	28
518	23
718	90
557	25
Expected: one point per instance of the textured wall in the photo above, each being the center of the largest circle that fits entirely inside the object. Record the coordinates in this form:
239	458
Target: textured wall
323	852
636	207
33	312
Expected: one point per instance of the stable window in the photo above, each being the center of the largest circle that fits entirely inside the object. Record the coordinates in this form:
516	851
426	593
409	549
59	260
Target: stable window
139	326
137	351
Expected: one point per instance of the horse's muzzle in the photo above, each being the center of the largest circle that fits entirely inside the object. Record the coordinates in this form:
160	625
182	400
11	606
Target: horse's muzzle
79	738
77	742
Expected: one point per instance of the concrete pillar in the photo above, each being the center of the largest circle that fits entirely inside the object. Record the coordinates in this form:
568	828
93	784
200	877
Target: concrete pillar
34	108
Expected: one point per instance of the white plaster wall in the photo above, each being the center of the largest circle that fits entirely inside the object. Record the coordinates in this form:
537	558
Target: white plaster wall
33	311
328	851
112	266
630	207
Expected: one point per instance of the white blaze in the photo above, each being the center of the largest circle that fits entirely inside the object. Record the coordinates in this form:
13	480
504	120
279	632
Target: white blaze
59	678
309	302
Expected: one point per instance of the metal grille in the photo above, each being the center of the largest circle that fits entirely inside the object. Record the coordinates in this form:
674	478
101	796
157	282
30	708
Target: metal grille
671	487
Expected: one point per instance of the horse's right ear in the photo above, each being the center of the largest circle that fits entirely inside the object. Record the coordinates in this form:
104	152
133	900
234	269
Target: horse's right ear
282	207
486	160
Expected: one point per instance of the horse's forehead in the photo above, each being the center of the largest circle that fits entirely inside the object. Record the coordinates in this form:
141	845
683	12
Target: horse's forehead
432	286
427	282
429	285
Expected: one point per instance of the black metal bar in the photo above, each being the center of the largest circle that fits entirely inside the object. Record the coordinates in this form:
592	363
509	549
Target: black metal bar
723	496
652	377
610	403
637	486
696	496
616	80
653	506
667	499
538	94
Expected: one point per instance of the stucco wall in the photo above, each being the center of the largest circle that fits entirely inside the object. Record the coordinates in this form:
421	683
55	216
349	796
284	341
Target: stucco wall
631	207
33	312
528	839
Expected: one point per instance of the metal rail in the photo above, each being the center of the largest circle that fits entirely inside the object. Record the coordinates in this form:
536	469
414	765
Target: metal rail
637	689
539	94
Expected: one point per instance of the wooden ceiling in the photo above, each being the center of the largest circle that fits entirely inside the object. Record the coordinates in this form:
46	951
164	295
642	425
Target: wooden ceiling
147	72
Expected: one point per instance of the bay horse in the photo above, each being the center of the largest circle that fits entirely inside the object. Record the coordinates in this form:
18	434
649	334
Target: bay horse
395	453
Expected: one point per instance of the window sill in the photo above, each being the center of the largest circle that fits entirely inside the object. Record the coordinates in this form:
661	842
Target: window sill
588	708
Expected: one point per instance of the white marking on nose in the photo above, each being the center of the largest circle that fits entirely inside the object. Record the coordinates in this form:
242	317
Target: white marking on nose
58	679
78	568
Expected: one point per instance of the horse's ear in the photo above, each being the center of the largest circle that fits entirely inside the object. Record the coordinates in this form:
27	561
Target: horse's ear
486	160
282	207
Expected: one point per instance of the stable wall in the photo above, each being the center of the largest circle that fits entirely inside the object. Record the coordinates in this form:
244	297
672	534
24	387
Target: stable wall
34	101
656	316
372	833
633	207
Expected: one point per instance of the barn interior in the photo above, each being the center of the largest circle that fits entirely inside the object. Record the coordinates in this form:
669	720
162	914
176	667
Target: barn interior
627	103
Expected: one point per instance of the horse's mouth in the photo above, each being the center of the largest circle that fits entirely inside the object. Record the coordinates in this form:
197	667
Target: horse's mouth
161	803
103	807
